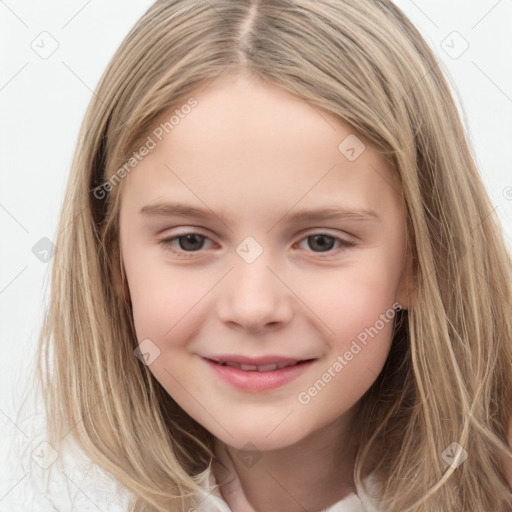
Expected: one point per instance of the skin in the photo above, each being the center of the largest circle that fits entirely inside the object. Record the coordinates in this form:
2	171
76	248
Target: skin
253	152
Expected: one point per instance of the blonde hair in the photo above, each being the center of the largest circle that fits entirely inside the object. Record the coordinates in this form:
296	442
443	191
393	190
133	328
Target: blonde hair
448	376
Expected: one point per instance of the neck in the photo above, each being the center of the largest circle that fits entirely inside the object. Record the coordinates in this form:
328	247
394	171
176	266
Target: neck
312	474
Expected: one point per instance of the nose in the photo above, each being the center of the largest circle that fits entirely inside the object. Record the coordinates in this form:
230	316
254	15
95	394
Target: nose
255	297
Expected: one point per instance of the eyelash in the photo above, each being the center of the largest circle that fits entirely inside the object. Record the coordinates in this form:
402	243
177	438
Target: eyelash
167	244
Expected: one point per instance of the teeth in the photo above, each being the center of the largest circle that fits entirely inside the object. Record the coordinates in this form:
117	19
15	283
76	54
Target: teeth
248	367
267	367
259	368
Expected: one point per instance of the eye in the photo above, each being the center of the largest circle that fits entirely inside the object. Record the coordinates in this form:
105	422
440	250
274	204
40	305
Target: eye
325	242
190	243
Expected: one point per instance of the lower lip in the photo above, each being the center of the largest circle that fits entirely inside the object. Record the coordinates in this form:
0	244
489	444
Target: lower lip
258	381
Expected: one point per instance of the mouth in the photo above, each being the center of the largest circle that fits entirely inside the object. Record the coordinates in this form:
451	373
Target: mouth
269	367
257	375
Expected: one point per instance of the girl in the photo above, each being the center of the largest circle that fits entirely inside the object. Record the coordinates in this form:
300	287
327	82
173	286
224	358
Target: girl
340	338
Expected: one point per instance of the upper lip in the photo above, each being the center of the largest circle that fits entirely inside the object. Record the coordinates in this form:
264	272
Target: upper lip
256	361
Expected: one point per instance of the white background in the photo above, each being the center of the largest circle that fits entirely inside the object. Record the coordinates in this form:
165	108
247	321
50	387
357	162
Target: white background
43	102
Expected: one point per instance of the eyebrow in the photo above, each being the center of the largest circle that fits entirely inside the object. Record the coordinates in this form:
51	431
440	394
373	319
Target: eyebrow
164	209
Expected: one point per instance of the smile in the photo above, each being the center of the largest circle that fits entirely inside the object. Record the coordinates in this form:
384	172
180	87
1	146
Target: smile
256	368
258	377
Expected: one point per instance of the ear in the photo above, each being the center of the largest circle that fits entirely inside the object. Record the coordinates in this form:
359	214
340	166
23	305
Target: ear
120	282
406	294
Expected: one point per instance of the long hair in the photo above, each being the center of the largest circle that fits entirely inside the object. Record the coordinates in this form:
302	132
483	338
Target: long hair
448	376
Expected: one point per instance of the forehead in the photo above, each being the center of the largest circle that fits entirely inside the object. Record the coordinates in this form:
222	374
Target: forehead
245	140
237	112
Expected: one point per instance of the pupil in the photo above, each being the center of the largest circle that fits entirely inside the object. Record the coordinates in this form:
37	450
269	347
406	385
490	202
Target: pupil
322	245
188	239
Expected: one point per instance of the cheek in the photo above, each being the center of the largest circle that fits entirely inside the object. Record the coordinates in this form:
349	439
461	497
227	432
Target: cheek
164	300
350	299
166	305
355	307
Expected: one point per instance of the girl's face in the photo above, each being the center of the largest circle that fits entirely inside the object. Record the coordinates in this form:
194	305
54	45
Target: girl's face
255	280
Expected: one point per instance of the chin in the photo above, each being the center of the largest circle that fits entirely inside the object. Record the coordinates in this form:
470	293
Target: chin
258	439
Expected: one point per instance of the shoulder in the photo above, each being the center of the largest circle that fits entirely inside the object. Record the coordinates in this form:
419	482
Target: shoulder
507	461
370	500
45	480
